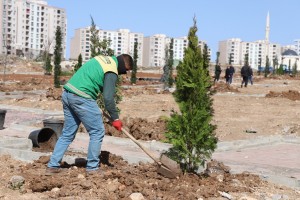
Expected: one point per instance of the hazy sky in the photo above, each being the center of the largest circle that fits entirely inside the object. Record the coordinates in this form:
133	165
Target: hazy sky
216	19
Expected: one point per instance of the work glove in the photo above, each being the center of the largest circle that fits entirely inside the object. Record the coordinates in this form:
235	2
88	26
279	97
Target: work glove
117	124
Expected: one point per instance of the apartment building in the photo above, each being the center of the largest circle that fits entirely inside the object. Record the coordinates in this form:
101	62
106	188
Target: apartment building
121	41
29	26
155	49
257	52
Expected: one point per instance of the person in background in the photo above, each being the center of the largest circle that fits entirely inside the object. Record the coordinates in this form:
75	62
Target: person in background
232	71
99	74
218	71
227	75
250	75
245	73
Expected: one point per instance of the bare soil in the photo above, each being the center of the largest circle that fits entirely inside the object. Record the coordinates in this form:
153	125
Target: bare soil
269	107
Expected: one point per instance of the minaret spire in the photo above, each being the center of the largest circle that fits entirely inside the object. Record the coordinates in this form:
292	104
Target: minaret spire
267	35
268	28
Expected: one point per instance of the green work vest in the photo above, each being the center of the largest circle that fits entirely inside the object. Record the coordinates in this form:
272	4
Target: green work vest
89	79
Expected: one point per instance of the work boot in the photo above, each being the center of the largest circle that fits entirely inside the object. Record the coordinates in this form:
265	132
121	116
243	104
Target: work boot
51	171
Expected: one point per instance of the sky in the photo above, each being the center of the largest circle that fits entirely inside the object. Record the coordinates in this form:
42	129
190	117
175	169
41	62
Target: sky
217	20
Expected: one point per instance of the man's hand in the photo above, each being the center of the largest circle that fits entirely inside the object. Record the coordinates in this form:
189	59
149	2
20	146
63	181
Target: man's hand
117	124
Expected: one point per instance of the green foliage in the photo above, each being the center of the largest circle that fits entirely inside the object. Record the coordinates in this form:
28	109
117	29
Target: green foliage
206	58
98	47
57	56
102	48
295	68
48	65
191	131
79	63
275	64
135	58
170	64
118	96
280	70
94	38
267	68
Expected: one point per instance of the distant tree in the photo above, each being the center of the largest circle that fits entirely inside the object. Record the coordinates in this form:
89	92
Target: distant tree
48	66
275	64
259	66
102	48
267	68
295	70
171	63
190	131
135	58
206	58
57	56
79	63
290	66
94	38
166	69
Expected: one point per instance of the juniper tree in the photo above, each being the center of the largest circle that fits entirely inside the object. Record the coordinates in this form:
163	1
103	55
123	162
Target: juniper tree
170	64
48	66
102	48
206	58
165	75
295	70
94	38
134	68
190	131
267	68
79	63
57	56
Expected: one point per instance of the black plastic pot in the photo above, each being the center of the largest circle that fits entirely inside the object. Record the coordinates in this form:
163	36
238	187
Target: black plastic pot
2	118
43	136
55	124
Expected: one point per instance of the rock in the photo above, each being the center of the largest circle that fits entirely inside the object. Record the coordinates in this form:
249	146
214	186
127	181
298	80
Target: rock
247	198
56	189
16	182
113	186
136	196
225	195
80	176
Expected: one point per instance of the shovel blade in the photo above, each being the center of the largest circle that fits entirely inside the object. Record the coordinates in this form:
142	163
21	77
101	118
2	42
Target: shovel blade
166	172
170	164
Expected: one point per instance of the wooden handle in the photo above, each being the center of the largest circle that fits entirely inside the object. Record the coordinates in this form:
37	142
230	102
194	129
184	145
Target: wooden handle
134	140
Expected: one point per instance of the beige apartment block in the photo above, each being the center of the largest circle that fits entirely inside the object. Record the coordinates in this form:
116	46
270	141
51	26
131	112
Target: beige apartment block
29	26
257	52
121	41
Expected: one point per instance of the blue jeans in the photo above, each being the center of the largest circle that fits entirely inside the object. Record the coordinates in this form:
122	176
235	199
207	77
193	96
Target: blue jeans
78	109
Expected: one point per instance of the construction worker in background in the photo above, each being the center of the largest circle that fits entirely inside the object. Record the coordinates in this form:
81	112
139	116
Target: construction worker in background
251	75
232	71
99	74
218	71
245	73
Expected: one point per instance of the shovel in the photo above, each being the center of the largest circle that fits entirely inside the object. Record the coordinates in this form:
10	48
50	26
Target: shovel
166	166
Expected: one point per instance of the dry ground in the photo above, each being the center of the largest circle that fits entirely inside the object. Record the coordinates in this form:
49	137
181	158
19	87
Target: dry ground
269	107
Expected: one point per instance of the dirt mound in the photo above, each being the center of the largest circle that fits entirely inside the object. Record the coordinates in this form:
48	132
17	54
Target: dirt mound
291	95
223	87
141	129
119	180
